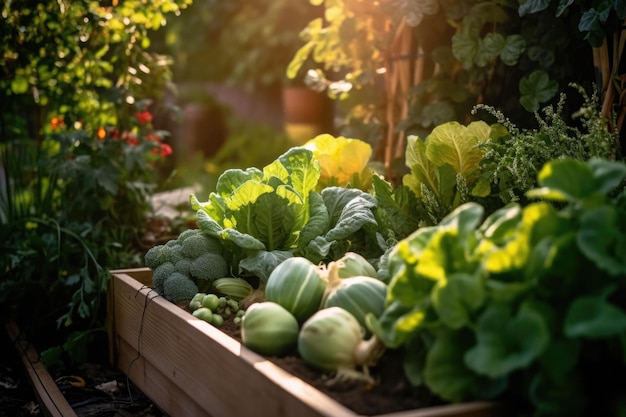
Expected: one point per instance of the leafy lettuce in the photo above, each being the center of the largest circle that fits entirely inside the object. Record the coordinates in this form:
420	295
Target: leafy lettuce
264	216
526	303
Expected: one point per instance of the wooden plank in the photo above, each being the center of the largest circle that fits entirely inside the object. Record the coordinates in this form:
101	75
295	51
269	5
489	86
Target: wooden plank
48	394
181	355
171	399
206	363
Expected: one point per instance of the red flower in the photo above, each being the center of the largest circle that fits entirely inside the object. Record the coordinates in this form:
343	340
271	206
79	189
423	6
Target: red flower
144	117
153	138
101	133
56	122
165	150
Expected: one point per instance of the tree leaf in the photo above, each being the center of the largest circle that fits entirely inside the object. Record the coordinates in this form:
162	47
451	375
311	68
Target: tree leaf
562	7
532	6
535	89
465	46
19	85
513	48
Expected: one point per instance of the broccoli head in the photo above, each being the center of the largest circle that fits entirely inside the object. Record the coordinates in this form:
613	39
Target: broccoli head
208	266
183	265
178	287
152	258
198	244
188	232
160	274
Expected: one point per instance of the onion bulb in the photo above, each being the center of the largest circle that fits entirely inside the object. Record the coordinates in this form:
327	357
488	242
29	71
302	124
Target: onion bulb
331	340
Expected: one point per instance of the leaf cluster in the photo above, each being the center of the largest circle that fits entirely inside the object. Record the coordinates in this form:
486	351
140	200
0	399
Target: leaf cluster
520	305
264	216
75	188
512	161
513	56
446	166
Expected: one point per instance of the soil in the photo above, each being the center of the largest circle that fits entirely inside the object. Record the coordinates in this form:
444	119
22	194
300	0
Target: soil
107	392
390	393
92	389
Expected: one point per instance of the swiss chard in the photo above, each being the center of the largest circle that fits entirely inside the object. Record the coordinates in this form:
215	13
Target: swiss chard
527	303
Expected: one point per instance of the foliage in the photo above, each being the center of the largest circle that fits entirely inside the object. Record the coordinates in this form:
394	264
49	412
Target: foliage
497	164
254	41
512	160
80	156
505	307
592	21
445	167
265	216
437	58
94	61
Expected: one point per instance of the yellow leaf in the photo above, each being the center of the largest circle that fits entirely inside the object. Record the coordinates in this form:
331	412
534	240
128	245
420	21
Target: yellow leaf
340	159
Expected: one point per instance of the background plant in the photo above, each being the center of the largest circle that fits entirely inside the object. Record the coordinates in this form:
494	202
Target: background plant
403	67
247	44
77	86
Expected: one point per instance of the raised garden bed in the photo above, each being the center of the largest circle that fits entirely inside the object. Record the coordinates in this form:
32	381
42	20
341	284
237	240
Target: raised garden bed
189	367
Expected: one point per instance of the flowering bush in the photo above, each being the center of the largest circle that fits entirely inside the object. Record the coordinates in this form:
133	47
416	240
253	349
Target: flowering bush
79	157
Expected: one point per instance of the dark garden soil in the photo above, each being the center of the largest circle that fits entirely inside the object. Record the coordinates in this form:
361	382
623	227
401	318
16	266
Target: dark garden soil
107	392
92	389
392	392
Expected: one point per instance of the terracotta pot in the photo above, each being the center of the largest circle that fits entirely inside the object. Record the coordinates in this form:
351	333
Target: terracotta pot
203	130
306	113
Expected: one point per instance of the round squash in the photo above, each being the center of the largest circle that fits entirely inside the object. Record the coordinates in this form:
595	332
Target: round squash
297	285
269	329
360	296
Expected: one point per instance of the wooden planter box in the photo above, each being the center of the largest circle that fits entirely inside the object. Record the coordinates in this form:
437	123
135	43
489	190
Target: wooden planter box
190	368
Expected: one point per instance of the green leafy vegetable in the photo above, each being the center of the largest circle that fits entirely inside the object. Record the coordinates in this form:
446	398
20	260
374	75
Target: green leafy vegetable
263	217
445	166
522	303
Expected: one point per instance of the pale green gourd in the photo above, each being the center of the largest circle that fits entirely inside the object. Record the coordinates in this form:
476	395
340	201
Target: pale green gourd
269	329
298	285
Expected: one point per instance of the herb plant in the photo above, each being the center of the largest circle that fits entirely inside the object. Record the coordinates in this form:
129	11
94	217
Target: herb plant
512	160
527	305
